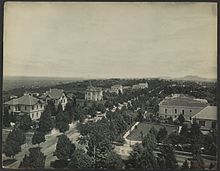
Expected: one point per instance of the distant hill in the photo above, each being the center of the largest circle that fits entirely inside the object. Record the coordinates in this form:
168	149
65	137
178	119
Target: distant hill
11	82
196	78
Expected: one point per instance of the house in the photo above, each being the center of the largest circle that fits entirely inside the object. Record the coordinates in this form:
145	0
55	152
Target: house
26	104
140	86
93	93
57	96
207	118
174	105
117	88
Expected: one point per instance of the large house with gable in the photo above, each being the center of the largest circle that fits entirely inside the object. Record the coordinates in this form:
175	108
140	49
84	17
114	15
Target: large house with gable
176	104
207	118
57	96
26	104
93	93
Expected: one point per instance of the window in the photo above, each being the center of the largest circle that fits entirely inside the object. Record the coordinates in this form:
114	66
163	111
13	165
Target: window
32	107
190	111
165	116
32	115
165	110
175	116
213	124
25	107
183	112
37	115
202	123
175	110
41	106
190	118
37	106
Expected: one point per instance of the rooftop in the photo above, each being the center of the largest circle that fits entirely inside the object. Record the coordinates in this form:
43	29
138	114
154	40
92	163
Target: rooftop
24	100
53	93
183	100
208	113
91	88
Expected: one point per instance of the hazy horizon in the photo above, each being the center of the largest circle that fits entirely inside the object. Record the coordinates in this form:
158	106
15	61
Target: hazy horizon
110	40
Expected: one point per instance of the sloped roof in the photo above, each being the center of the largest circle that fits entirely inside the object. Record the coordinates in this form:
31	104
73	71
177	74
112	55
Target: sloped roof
24	100
208	113
91	88
183	100
53	93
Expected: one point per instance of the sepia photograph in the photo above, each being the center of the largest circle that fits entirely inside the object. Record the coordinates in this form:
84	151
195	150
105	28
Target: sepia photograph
109	85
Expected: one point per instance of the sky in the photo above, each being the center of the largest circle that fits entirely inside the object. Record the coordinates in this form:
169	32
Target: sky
110	40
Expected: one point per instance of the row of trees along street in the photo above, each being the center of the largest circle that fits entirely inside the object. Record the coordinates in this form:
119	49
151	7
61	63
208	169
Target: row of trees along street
98	137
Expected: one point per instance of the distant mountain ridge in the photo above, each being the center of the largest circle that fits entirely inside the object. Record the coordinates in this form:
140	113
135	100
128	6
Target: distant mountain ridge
196	78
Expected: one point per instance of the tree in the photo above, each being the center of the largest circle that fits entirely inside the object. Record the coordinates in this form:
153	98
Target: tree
36	159
51	107
25	122
59	109
64	148
153	131
113	161
161	162
135	156
181	119
38	137
11	148
197	161
142	158
6	117
184	134
62	121
100	107
162	134
109	104
185	165
16	135
173	138
70	111
168	153
98	140
140	116
148	160
13	142
81	160
45	121
150	141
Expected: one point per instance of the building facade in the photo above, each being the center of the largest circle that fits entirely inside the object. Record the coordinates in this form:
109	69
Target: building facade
116	89
174	105
57	96
140	86
26	104
94	94
207	118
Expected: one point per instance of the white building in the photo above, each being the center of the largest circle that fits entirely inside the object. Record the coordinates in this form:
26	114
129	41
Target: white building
27	105
57	96
94	94
117	88
174	105
140	86
207	118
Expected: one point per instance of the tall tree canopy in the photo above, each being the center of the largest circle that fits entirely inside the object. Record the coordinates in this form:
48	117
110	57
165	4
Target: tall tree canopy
45	121
64	148
36	159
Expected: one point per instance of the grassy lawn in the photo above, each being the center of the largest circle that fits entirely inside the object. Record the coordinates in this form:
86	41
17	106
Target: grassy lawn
145	127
